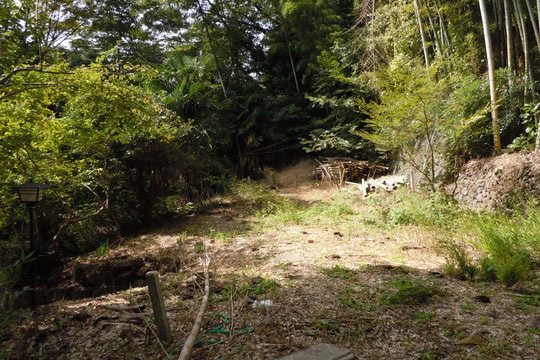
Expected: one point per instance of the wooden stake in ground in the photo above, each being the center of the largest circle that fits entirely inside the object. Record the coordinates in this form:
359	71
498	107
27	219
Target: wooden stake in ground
160	314
190	341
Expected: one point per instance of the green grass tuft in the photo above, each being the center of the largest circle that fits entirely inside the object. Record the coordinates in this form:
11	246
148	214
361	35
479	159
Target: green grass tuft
405	290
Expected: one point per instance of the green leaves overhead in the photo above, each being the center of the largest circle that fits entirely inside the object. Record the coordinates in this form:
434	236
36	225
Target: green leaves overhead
64	131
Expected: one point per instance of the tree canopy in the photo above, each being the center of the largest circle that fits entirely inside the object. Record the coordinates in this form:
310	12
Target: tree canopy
134	109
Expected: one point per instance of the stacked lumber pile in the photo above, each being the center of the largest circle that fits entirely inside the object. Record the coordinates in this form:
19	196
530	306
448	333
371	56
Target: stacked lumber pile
339	170
386	183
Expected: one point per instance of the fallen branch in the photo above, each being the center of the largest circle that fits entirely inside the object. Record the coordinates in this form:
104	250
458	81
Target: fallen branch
190	341
72	219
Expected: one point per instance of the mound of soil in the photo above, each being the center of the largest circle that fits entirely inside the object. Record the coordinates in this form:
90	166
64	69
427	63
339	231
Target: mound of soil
493	182
294	175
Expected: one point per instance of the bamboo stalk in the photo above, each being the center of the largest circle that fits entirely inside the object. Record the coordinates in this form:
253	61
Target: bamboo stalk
491	75
190	341
422	34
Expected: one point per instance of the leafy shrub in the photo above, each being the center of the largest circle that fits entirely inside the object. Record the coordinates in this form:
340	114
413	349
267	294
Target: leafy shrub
511	243
458	261
487	269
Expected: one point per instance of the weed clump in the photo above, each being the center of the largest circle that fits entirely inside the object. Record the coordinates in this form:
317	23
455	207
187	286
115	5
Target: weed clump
458	261
405	290
339	272
429	210
510	242
256	287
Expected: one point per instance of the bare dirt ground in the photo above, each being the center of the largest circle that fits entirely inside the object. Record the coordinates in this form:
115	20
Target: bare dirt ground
329	281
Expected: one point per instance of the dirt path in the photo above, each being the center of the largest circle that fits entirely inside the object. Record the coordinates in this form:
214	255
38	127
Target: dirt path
334	279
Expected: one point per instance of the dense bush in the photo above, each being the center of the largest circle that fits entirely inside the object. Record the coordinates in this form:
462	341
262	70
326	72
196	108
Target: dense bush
113	155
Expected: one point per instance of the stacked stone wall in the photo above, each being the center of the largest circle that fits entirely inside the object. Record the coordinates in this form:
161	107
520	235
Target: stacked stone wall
494	182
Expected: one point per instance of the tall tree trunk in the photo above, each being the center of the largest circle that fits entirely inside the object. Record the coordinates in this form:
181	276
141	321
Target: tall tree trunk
444	31
422	34
201	13
434	31
525	41
538	11
491	74
509	40
292	64
502	31
534	24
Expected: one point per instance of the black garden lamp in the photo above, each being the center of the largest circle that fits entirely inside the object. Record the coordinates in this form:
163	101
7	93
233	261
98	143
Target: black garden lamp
30	194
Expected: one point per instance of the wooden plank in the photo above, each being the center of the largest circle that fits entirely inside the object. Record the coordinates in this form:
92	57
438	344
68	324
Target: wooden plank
160	314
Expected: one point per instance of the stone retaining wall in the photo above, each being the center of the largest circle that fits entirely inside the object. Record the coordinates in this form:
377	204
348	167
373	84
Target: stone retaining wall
493	182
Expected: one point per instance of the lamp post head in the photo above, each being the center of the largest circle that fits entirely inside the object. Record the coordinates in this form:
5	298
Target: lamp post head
31	193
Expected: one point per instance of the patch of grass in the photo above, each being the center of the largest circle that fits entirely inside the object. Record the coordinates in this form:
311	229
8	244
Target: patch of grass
420	317
199	247
103	248
349	298
192	229
285	266
510	241
178	279
405	290
468	305
339	272
403	207
531	298
458	261
276	208
328	326
267	287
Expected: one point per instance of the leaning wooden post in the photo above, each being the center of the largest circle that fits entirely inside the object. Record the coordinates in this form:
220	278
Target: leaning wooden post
160	315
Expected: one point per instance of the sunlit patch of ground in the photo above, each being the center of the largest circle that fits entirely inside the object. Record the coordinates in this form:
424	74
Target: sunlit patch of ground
334	280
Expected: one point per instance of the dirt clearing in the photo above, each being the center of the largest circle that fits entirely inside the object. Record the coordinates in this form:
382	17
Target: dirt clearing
332	274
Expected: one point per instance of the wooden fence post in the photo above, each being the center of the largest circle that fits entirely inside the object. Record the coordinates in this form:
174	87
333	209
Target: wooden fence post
160	314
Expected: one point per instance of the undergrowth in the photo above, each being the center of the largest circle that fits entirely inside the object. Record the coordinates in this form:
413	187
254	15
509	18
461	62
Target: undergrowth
272	207
258	286
508	241
405	290
406	208
339	272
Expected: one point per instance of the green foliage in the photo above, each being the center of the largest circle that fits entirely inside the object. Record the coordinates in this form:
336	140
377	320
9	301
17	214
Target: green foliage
183	83
405	290
434	210
529	114
511	243
399	123
339	272
351	298
258	286
532	299
103	249
508	241
458	261
199	247
275	208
